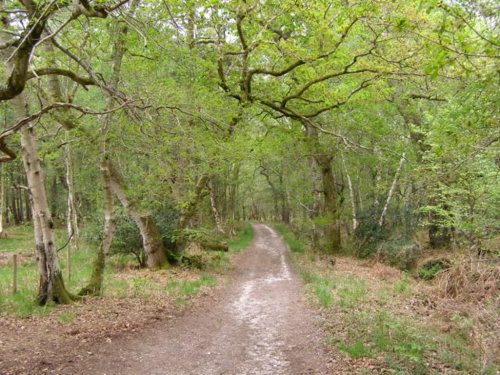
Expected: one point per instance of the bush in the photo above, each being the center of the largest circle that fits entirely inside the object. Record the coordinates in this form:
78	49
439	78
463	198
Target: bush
127	238
431	267
399	253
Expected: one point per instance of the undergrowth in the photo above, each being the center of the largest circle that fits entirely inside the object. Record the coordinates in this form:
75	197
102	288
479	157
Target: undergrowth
244	236
289	237
373	322
122	279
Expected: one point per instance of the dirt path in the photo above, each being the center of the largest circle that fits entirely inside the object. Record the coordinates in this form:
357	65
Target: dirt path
259	325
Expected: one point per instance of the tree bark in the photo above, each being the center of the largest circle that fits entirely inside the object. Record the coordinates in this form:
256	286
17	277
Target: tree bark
189	210
324	160
94	287
51	284
151	237
213	205
233	192
354	214
71	214
381	221
2	201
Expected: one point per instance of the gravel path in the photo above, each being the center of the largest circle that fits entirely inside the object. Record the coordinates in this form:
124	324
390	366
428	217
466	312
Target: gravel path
259	325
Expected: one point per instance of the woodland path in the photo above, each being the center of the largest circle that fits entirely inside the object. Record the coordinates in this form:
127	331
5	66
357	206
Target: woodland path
258	325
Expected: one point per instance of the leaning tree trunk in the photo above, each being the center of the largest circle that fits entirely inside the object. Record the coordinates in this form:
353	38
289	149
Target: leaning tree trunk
188	212
51	285
383	215
151	237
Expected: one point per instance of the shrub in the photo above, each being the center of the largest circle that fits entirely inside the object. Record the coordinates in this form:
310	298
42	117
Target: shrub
127	237
431	267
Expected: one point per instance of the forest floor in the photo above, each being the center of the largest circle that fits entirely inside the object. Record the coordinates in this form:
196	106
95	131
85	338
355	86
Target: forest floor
259	317
258	324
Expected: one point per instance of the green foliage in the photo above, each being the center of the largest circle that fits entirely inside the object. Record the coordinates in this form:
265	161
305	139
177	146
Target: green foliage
244	236
402	286
127	238
290	238
356	350
428	273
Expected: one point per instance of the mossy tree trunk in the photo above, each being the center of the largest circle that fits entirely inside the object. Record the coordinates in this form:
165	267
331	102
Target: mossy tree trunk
331	200
189	210
94	287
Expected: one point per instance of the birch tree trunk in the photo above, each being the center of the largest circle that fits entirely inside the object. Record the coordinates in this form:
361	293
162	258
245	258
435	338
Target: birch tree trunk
71	214
2	201
354	214
213	205
391	190
51	284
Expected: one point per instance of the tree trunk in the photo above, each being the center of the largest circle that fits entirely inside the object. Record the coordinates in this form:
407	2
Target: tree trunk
378	176
94	287
2	201
71	214
439	235
233	192
391	190
51	285
213	205
189	211
331	202
151	238
354	214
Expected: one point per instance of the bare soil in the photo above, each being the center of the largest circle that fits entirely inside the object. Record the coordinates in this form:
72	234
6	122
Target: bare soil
259	324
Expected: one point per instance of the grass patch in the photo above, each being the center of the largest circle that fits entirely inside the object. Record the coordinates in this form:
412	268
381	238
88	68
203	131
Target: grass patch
19	240
189	288
356	350
67	317
244	236
121	278
323	294
289	237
